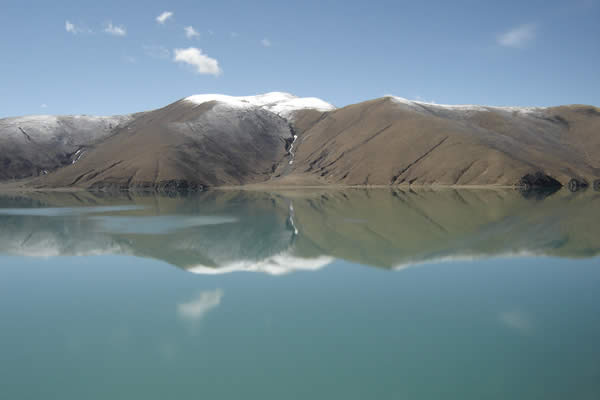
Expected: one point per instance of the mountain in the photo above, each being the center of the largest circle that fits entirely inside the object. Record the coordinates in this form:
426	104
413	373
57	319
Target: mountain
392	141
278	139
38	144
200	141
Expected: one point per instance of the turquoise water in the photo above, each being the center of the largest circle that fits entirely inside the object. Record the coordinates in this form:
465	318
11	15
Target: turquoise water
349	295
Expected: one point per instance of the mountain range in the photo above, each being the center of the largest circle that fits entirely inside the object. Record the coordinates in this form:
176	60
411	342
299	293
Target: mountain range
278	139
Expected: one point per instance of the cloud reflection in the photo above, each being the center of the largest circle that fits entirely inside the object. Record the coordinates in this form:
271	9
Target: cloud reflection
199	306
517	320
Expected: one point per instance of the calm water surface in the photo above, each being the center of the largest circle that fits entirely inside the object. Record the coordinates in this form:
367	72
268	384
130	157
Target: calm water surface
297	295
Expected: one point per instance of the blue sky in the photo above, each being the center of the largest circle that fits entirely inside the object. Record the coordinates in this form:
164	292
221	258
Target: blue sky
113	57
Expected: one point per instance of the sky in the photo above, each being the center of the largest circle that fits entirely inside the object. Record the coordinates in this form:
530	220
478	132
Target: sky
114	57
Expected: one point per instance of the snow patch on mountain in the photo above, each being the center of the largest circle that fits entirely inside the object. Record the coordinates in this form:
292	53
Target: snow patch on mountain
282	104
420	105
80	129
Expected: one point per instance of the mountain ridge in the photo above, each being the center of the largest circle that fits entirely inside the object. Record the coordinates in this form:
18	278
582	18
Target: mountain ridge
279	139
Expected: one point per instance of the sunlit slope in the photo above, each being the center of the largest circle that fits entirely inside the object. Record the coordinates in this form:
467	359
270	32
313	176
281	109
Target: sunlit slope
392	141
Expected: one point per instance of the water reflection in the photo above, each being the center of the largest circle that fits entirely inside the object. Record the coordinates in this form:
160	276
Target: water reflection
518	321
279	232
197	307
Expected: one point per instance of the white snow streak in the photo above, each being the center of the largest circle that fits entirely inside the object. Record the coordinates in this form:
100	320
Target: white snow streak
78	154
292	149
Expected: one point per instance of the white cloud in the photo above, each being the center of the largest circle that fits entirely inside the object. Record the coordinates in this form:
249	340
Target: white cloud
266	42
157	51
202	63
197	308
44	105
190	32
75	29
129	59
115	30
69	27
518	37
162	18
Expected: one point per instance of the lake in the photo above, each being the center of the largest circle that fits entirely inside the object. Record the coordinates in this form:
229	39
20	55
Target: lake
291	294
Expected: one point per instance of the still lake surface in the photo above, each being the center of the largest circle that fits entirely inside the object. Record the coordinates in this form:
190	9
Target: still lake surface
353	294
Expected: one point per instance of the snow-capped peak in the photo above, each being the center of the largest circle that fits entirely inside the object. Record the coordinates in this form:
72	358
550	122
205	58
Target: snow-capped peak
282	104
462	107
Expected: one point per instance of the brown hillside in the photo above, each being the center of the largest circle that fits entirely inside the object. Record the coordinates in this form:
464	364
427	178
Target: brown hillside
383	142
180	146
386	141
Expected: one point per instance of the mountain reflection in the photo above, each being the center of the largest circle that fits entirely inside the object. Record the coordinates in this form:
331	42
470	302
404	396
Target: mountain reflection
278	232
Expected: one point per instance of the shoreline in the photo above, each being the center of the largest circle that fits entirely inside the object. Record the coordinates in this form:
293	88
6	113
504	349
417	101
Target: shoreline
9	188
24	186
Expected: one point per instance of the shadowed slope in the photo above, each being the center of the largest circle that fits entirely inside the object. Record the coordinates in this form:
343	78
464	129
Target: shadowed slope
38	144
183	145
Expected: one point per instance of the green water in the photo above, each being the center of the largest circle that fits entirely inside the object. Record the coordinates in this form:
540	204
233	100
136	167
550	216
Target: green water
293	295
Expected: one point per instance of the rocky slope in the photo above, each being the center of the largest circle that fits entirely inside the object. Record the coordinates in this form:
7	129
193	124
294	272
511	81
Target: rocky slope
278	139
39	144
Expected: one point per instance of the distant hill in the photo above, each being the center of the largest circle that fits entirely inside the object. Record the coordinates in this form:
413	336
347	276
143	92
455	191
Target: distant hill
279	139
